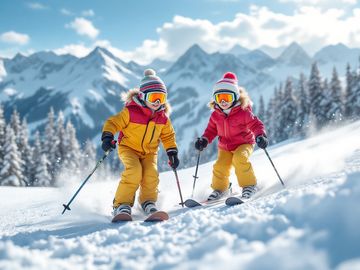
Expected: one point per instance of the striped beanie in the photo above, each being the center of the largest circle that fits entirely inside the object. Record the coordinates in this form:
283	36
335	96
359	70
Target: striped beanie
151	82
228	82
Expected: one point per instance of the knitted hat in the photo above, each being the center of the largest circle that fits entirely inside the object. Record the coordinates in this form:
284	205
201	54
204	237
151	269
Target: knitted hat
151	82
228	82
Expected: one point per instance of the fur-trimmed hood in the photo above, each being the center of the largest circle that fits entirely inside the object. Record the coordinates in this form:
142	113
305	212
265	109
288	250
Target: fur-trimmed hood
244	100
132	96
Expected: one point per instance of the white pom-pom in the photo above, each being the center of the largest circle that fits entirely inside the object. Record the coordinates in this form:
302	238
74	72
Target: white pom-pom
149	72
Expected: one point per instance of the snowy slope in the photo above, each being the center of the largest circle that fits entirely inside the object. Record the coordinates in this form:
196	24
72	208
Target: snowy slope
312	224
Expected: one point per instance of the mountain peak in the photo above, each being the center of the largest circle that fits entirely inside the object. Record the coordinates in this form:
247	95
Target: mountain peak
295	55
192	59
238	50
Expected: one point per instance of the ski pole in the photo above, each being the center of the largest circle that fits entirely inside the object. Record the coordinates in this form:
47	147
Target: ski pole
67	206
266	152
179	188
195	176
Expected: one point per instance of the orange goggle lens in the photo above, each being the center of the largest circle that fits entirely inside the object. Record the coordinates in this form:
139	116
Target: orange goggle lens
227	97
156	97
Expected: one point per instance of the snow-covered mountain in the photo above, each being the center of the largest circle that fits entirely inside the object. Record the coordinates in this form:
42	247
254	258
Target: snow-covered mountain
294	55
311	224
238	50
337	53
88	89
257	59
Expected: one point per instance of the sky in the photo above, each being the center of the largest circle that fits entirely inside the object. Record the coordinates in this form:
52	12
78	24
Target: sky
144	30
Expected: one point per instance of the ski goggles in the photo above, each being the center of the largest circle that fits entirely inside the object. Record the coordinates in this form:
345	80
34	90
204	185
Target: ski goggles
156	97
228	97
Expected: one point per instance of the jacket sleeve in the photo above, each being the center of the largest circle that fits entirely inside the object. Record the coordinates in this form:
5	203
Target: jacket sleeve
210	131
167	136
254	124
117	122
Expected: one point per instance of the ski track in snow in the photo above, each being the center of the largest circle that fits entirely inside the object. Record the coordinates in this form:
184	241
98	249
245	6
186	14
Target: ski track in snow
312	224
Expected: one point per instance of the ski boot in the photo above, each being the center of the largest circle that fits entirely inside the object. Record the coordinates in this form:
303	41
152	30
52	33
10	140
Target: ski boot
248	192
149	207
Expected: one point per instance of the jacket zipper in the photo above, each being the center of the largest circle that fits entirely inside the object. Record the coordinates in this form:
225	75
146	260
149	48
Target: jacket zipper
142	142
152	135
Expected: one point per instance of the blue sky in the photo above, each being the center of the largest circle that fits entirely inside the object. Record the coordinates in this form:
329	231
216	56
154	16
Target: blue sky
143	30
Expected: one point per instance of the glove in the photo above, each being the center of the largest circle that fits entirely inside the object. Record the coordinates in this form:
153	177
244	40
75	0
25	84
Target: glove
173	158
262	141
201	144
107	141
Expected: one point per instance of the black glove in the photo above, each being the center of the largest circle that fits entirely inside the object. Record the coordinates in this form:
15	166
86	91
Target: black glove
201	144
108	141
173	158
262	141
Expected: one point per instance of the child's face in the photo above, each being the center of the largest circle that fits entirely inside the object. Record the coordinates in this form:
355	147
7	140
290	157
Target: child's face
224	105
153	106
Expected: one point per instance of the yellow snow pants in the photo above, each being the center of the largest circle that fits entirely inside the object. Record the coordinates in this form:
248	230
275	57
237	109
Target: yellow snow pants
239	158
140	170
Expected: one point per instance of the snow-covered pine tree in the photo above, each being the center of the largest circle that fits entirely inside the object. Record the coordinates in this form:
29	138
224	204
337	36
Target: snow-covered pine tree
11	173
335	109
277	128
37	153
288	113
72	158
349	92
61	146
325	104
51	143
26	152
315	95
2	135
42	177
15	124
356	96
303	107
261	110
269	118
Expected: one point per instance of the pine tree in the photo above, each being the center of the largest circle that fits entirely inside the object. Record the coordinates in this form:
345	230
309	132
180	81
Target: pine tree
42	176
261	111
51	143
26	153
277	128
36	154
315	95
335	109
303	107
61	146
11	174
2	135
288	113
16	125
72	157
349	92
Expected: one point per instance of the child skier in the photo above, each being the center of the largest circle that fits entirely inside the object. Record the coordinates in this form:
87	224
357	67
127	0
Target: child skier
238	129
142	123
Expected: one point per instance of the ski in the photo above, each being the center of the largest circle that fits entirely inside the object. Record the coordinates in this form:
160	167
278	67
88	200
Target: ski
157	216
190	203
121	217
231	201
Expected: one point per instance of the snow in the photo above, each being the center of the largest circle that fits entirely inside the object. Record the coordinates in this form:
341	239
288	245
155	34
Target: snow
311	224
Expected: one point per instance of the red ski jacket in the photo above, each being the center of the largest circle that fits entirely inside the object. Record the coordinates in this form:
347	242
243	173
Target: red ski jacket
240	126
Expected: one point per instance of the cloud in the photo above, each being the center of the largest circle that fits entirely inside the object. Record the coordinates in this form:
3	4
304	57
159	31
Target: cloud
311	27
66	12
83	27
88	13
324	4
79	50
14	38
37	6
